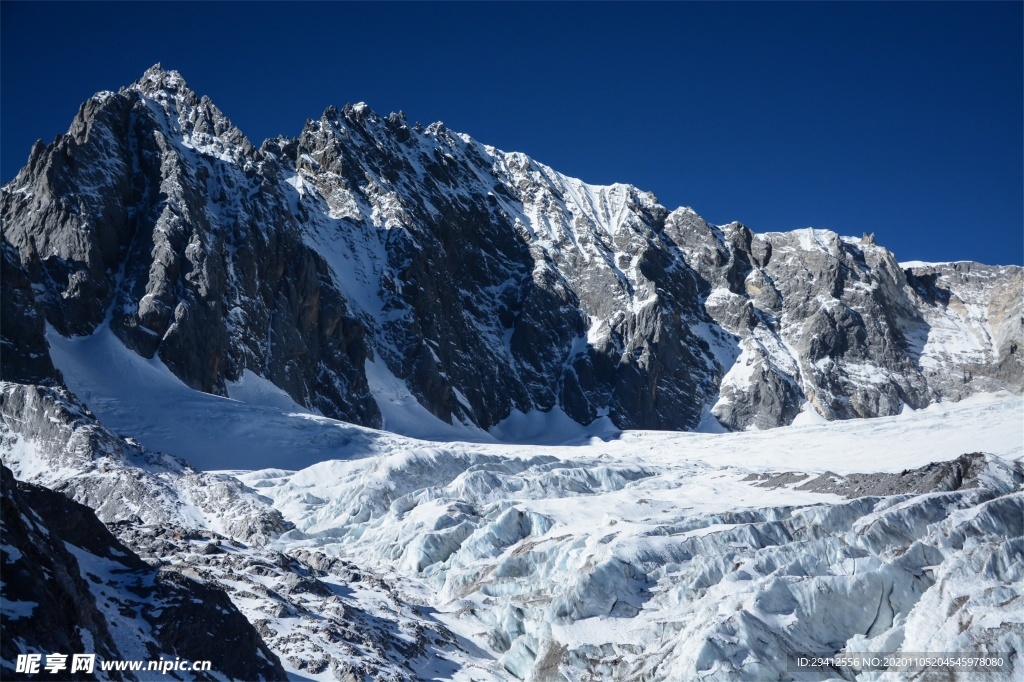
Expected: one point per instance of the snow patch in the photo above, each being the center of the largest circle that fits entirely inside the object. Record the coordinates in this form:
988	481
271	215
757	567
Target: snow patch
253	389
402	413
550	428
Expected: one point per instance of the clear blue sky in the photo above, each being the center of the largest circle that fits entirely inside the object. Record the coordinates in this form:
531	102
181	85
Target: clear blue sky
900	119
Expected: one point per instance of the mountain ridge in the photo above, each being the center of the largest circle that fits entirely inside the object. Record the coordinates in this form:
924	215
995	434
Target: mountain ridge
483	281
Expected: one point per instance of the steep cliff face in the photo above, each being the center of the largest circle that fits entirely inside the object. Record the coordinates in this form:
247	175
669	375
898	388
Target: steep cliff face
969	337
25	357
368	250
154	214
497	284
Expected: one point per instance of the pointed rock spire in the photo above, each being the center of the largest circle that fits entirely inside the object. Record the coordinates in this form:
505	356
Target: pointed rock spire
156	78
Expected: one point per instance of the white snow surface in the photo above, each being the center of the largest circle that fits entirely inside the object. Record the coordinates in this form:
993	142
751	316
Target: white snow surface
402	413
920	264
143	399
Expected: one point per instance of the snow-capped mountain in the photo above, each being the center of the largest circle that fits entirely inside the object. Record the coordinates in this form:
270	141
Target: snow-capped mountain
368	267
200	338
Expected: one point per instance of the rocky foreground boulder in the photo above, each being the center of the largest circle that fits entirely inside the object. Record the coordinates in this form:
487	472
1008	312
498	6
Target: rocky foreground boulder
71	587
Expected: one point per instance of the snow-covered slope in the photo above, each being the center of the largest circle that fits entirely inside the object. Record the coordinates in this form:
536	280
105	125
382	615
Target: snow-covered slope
50	438
70	586
261	428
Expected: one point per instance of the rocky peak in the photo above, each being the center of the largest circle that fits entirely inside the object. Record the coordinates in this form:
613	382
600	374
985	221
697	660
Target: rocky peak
196	119
157	79
358	112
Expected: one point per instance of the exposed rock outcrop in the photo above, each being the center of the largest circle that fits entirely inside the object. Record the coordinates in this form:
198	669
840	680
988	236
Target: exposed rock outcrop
71	587
155	209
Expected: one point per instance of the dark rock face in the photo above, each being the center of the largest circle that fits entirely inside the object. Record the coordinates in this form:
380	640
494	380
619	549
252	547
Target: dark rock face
72	587
24	355
482	311
154	208
964	472
482	280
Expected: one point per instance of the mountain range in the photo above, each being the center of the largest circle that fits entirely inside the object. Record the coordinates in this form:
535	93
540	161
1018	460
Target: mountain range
296	373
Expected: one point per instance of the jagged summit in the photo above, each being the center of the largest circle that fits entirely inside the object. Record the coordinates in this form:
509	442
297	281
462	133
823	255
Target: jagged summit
398	276
359	109
156	78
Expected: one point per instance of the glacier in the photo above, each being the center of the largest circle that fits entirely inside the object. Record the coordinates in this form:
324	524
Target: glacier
646	555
